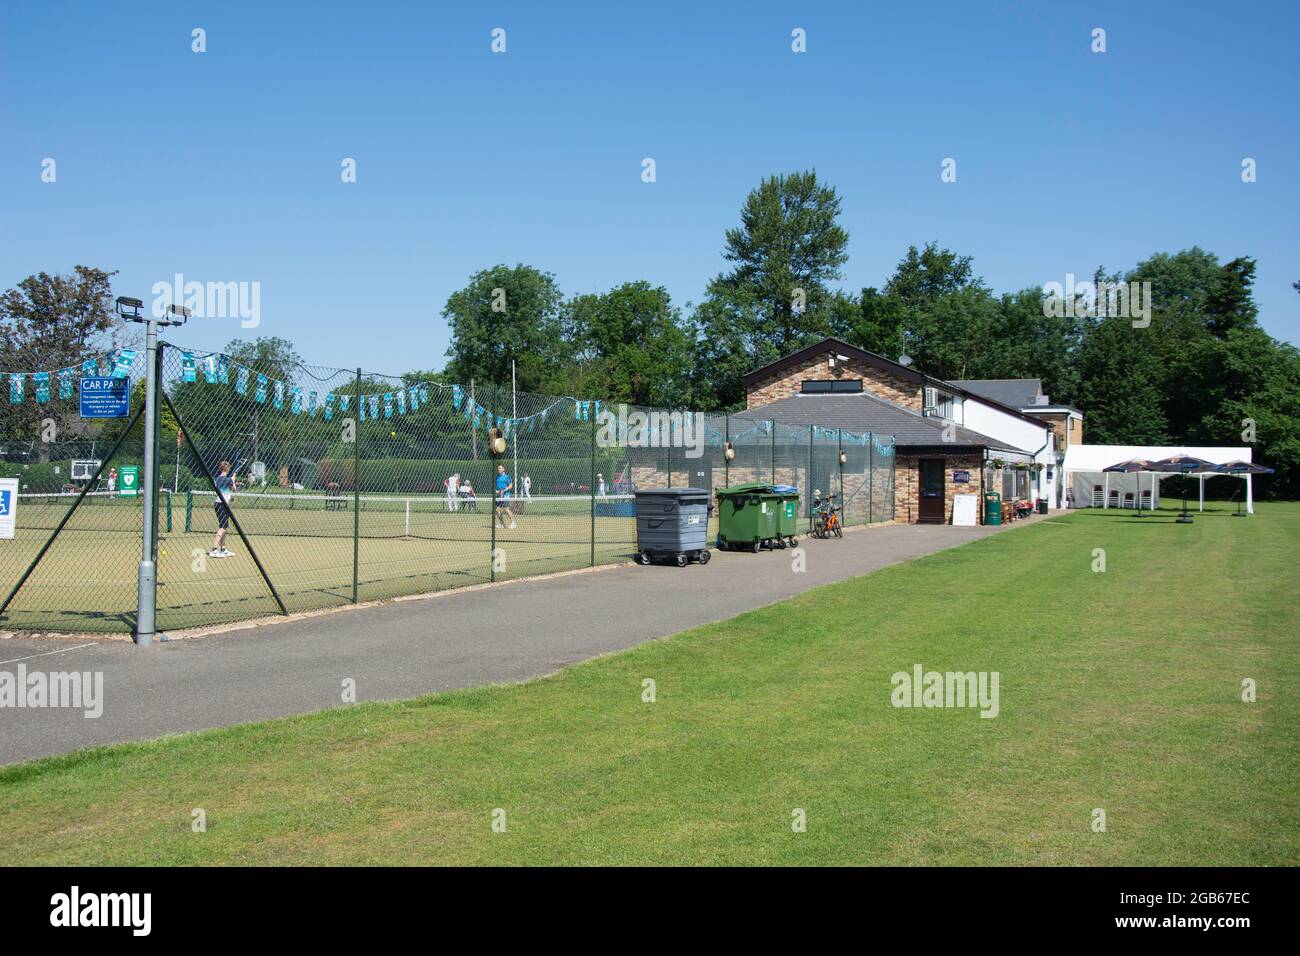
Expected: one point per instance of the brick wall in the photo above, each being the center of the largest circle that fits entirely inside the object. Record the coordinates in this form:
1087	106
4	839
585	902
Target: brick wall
907	476
881	383
1059	423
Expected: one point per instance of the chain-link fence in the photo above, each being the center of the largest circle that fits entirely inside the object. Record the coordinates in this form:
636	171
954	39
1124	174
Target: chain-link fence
286	487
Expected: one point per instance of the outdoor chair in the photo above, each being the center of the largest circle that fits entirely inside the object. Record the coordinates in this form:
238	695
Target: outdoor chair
1114	499
1146	501
1128	499
1096	496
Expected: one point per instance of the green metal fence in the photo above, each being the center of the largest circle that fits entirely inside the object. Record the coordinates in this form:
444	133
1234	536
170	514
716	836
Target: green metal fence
352	486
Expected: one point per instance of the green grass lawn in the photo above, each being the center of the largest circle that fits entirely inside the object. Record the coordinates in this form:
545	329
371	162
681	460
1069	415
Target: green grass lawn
1118	690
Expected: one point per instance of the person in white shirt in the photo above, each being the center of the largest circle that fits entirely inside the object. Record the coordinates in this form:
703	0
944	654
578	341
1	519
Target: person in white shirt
452	485
600	485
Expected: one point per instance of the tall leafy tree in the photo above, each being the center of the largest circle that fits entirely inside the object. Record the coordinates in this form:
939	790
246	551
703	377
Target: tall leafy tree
507	313
51	321
630	345
776	297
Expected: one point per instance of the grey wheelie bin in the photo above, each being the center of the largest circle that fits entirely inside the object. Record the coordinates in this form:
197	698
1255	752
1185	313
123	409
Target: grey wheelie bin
672	524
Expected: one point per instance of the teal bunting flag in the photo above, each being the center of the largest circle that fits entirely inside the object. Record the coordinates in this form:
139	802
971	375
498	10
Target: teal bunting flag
260	393
374	406
223	370
88	369
311	404
187	367
401	402
241	381
65	383
388	404
329	406
457	396
295	405
42	380
344	401
279	396
15	388
210	369
122	364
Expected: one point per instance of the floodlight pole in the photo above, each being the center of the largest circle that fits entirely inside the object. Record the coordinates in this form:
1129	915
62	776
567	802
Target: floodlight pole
147	576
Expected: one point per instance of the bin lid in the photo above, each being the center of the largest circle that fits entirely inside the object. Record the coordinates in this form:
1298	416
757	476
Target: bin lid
672	492
749	488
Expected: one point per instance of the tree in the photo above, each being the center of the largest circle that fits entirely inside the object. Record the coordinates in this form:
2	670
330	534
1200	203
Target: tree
787	248
47	322
630	346
507	314
1120	389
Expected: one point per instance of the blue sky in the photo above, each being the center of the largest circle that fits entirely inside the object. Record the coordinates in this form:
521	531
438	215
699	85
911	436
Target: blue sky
225	166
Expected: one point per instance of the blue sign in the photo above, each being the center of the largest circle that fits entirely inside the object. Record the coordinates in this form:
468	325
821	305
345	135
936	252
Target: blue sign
105	397
4	502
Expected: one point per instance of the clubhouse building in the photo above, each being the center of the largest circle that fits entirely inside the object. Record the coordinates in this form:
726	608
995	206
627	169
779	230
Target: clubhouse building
952	438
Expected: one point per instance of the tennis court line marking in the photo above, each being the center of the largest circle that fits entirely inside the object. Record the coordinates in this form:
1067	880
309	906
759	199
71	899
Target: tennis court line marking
61	650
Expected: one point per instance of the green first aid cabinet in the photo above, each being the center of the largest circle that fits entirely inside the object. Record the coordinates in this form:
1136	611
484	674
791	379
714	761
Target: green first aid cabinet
749	517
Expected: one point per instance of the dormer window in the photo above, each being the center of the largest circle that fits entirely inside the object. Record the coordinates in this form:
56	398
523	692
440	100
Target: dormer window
937	403
831	386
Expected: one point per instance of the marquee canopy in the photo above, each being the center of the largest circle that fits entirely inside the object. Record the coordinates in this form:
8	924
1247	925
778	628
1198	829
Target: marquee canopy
1084	471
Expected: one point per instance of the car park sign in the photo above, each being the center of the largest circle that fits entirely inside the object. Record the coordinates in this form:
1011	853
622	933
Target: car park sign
105	397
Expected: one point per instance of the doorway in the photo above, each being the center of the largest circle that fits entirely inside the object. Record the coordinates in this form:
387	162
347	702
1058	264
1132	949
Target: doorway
930	506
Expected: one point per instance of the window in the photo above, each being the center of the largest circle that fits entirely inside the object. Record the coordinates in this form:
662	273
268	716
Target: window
936	403
1008	483
848	386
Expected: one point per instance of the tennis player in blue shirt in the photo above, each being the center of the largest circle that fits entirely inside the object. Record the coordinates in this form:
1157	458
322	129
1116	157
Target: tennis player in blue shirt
504	487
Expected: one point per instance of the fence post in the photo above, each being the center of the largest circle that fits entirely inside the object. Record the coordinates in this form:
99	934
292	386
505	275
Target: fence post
871	478
726	462
807	491
771	475
839	461
492	492
157	457
593	491
669	444
356	492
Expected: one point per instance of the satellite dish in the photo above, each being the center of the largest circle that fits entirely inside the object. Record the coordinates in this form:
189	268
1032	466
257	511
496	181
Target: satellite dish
905	360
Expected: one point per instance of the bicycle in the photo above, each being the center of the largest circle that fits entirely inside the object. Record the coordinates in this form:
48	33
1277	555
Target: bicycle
826	518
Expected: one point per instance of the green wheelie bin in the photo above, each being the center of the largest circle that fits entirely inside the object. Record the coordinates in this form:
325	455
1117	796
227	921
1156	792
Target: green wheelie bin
787	519
992	507
747	517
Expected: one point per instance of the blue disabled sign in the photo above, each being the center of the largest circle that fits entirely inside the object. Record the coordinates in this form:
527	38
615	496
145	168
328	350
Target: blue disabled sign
105	397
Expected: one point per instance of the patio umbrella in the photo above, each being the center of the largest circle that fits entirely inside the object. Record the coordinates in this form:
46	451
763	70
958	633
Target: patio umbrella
1241	467
1181	465
1134	466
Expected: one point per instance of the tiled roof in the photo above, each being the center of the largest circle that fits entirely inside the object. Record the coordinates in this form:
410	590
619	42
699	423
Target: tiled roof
1019	393
867	413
